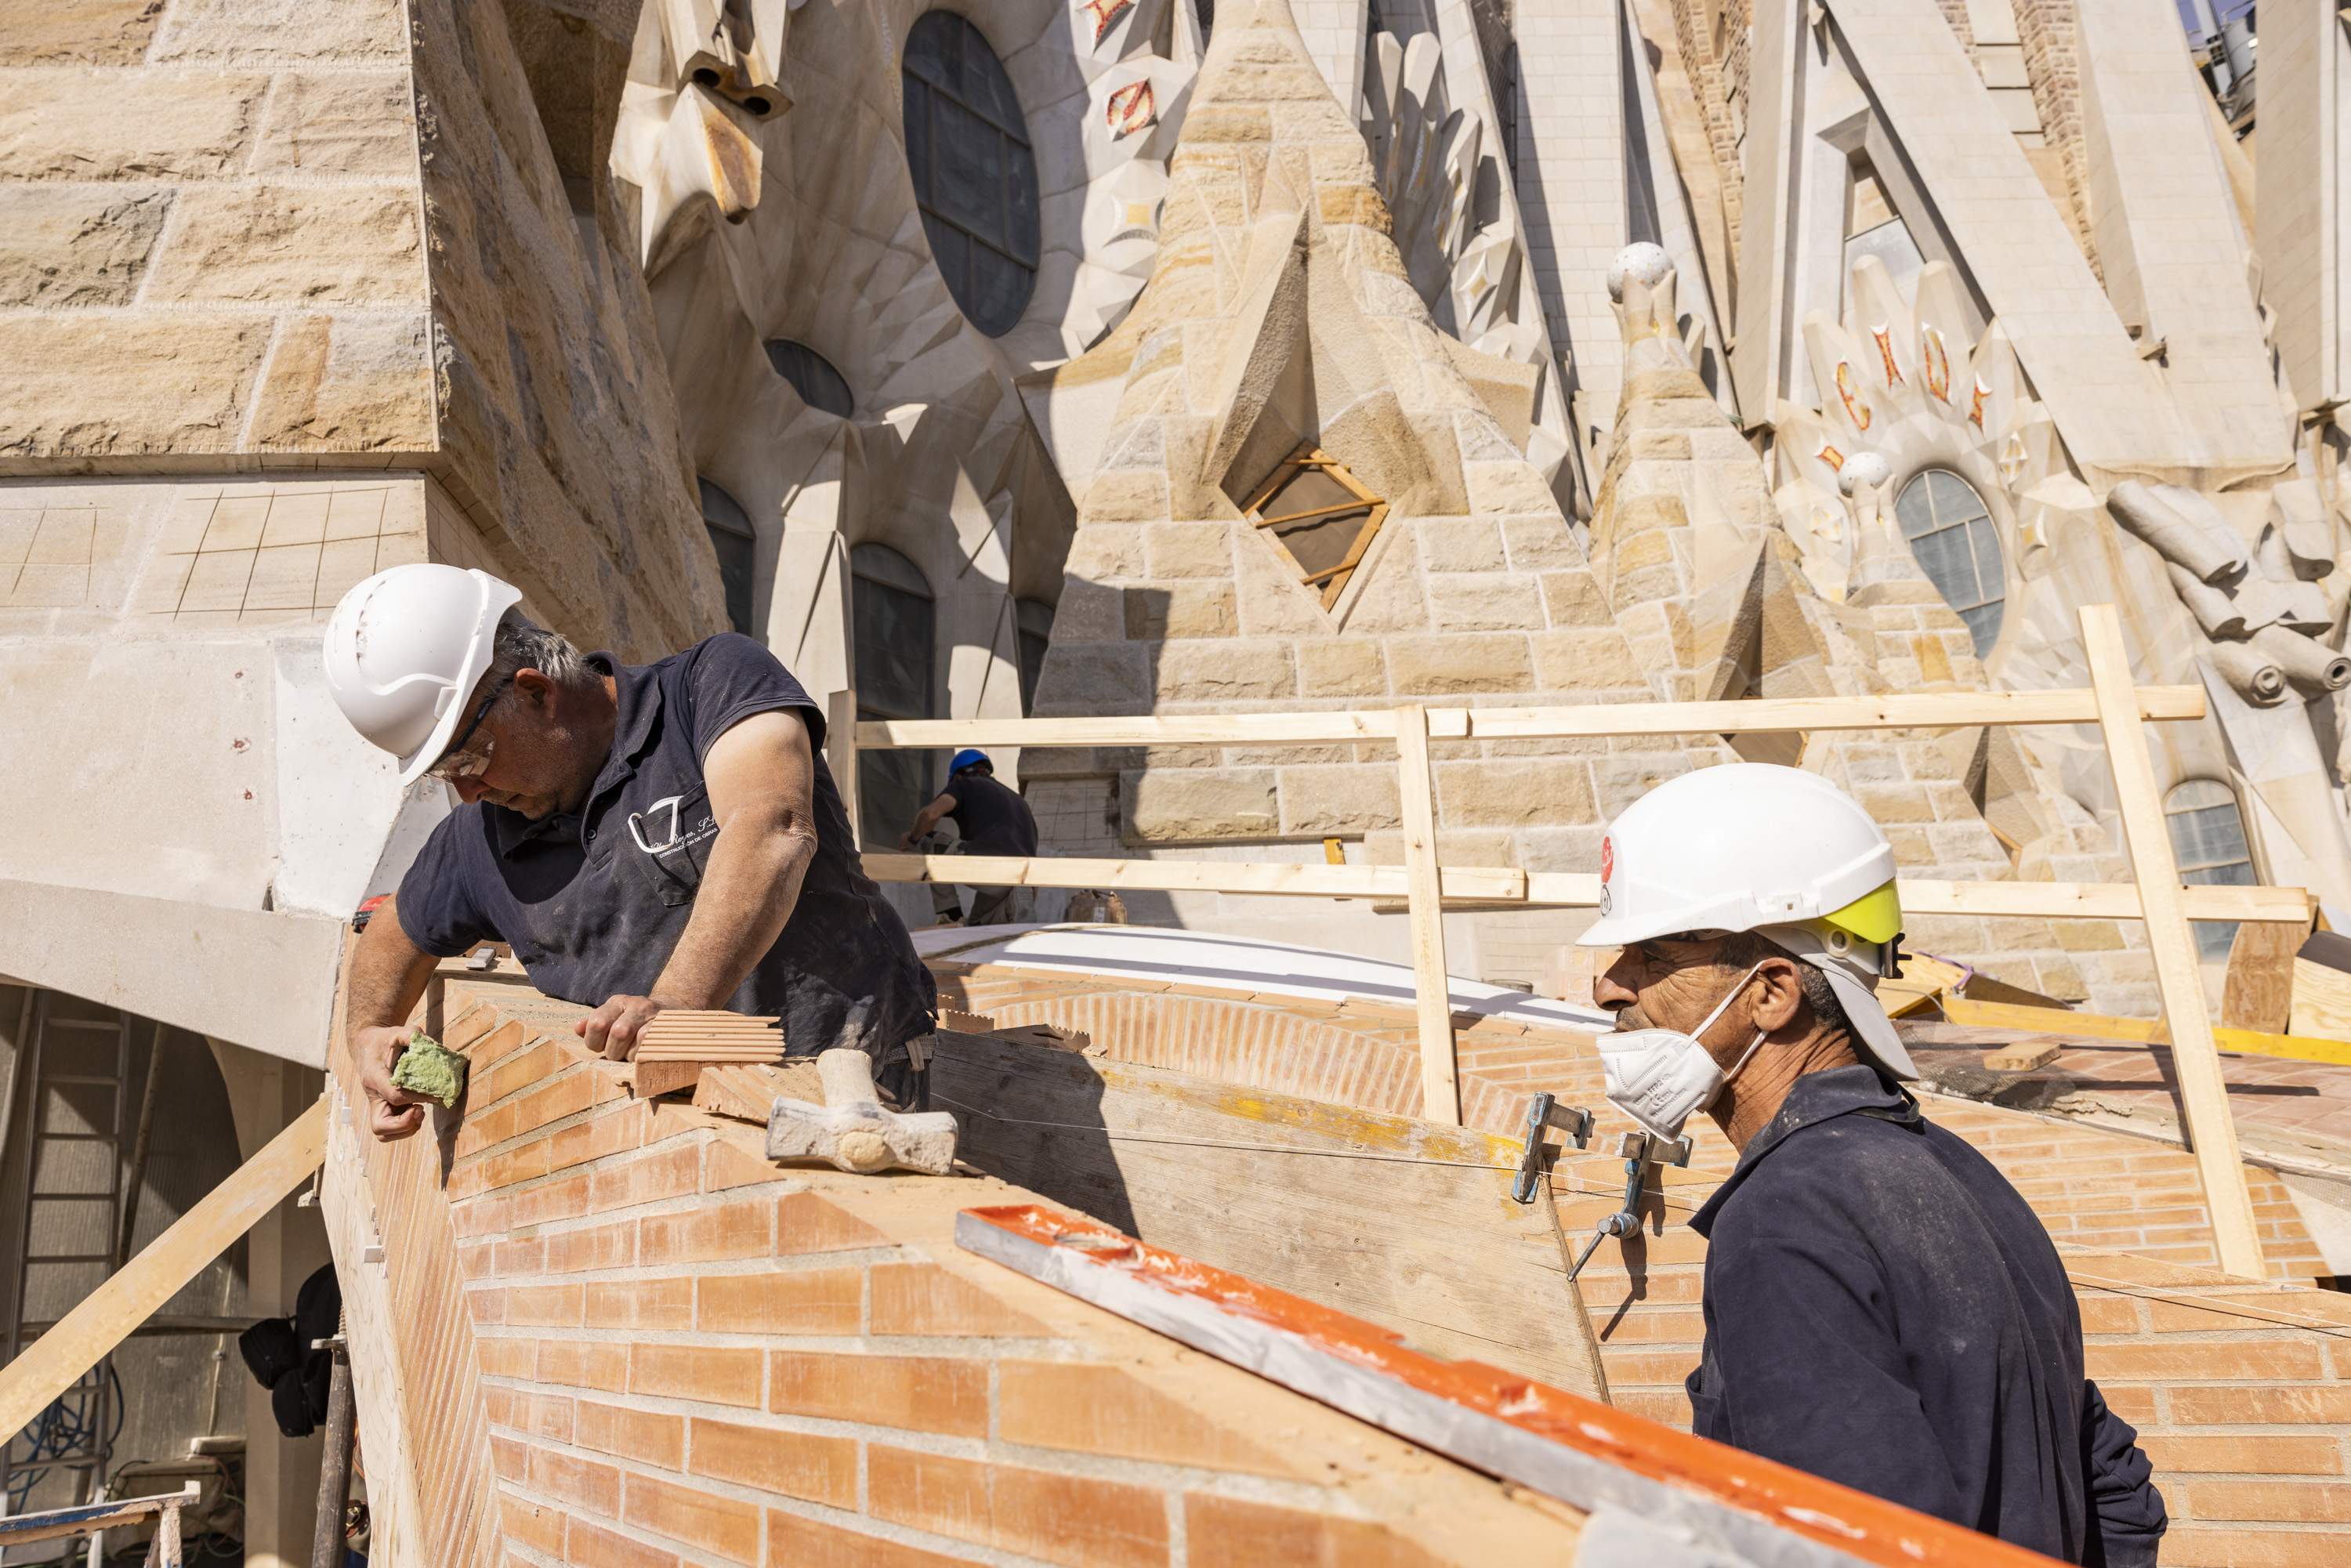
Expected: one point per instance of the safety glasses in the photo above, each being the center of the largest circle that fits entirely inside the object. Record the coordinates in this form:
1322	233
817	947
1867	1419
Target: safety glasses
459	763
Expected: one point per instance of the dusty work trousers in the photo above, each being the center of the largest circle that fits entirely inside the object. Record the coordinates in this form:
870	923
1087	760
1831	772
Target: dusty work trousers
989	905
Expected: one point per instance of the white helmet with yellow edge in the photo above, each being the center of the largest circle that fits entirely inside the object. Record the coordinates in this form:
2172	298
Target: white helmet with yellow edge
1779	851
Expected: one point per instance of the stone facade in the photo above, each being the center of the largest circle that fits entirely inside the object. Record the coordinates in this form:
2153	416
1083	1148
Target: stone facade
545	267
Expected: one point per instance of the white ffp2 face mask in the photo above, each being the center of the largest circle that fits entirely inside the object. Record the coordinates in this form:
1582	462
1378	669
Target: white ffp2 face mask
1662	1077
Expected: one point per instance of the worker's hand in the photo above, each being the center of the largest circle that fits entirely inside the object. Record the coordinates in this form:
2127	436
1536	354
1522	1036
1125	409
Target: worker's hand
906	841
394	1112
613	1028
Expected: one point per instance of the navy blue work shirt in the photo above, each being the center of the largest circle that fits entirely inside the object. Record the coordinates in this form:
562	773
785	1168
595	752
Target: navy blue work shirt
594	901
1884	1310
990	819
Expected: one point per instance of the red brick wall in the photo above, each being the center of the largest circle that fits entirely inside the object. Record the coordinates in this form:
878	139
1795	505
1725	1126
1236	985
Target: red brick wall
2092	1187
687	1355
2245	1416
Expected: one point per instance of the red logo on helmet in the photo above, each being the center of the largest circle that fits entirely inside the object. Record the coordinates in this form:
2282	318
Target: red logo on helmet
1607	858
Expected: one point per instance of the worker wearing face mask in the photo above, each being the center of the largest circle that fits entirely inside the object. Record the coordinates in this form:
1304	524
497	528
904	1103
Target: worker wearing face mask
1881	1307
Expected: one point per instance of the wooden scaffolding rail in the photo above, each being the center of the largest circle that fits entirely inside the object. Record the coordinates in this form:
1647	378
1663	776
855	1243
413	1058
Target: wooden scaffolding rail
2112	703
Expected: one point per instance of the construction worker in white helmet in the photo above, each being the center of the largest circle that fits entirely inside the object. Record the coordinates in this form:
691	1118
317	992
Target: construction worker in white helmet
1881	1307
645	837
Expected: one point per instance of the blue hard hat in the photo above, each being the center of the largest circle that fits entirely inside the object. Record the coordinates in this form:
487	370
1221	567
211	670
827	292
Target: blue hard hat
969	756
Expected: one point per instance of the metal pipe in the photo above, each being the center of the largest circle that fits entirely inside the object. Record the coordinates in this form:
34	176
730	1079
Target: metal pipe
327	1549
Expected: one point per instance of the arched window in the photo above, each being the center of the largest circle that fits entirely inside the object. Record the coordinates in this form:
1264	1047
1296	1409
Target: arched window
1951	531
894	638
1033	620
813	376
738	548
975	176
2208	839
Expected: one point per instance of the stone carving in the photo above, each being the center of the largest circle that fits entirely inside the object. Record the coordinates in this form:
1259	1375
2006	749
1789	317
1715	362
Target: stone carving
1906	379
1441	172
697	66
2260	609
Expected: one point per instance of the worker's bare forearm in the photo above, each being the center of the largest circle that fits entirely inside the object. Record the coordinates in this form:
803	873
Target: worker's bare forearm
749	891
389	973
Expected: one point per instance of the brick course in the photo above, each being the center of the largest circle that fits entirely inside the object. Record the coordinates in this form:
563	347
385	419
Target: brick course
688	1356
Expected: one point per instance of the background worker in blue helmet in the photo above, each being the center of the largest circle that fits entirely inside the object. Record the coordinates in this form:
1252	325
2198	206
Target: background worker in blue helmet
990	819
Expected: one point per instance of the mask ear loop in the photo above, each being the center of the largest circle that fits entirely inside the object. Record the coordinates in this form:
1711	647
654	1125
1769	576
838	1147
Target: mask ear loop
1699	1034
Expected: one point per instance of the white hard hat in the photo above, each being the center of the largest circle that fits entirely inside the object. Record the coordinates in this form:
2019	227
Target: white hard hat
1775	851
403	650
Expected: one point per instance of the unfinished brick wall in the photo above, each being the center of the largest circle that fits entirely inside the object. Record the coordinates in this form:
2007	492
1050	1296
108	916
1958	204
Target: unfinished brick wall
671	1352
688	1356
2092	1187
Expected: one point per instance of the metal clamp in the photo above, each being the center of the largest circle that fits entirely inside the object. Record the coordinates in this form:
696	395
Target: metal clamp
1641	1150
1544	1111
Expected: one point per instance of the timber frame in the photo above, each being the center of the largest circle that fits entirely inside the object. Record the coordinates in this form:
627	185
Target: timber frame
1331	582
2118	708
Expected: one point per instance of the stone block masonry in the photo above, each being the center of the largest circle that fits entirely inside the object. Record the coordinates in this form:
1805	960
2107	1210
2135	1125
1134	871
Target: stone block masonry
261	236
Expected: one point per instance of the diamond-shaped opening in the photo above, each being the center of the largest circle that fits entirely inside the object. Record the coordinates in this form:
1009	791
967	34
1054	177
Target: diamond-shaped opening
1320	517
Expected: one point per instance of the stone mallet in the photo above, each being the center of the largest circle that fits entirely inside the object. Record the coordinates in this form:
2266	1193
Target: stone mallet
851	1131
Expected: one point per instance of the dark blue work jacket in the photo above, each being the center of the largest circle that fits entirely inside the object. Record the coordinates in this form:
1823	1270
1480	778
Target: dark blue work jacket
594	901
1882	1309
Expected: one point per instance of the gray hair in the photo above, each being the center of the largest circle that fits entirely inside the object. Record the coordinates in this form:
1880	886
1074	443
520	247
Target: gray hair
523	644
1741	948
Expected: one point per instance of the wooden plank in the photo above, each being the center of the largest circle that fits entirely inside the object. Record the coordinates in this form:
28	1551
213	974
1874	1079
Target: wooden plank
1302	878
2024	1056
1904	710
1440	1090
2100	900
2321	1006
2196	1061
106	1316
2041	900
1176	729
1331	511
840	741
2259	992
1402	1222
2137	1031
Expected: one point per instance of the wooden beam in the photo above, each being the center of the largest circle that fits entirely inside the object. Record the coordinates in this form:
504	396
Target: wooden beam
2196	1062
1301	878
2136	1031
1440	1090
1186	729
2100	901
106	1316
841	743
1908	710
2032	900
1351	504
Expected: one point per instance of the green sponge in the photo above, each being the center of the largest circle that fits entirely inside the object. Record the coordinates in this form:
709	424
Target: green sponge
430	1068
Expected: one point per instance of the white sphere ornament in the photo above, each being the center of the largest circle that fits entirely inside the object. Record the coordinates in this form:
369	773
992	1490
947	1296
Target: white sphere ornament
1641	260
1864	468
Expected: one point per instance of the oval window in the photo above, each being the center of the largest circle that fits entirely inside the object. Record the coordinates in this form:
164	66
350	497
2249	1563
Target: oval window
1951	534
813	376
975	176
